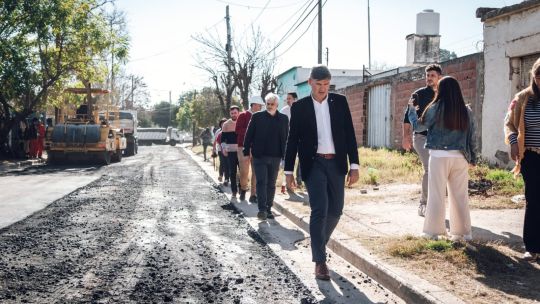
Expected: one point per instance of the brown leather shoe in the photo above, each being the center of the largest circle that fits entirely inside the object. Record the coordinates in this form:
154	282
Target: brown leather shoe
321	272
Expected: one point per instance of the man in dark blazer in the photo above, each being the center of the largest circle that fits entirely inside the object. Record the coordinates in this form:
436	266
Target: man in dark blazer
322	133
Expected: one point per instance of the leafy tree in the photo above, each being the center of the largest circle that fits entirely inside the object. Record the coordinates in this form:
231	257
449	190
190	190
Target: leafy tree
163	114
205	108
144	119
183	117
445	55
45	45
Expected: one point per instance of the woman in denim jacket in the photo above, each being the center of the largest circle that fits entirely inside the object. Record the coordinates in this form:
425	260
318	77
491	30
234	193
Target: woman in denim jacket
452	147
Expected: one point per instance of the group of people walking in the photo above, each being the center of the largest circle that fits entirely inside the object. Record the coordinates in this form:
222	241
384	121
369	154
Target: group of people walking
318	131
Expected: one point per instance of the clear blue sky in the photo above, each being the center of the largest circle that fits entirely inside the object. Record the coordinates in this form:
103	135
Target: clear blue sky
163	52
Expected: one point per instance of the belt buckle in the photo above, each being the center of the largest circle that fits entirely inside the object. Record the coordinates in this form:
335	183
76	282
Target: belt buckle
326	156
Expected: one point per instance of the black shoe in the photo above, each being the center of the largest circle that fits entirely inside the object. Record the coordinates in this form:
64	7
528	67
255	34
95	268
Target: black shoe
262	215
243	195
226	183
270	215
253	199
233	195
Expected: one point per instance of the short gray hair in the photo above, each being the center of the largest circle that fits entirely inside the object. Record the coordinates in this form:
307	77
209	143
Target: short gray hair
320	72
271	96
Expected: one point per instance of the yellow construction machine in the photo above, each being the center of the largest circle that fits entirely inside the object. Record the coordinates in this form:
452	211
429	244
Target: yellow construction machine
81	133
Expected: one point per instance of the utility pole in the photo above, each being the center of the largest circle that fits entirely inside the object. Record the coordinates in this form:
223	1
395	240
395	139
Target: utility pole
369	36
170	108
320	33
132	93
327	54
112	67
228	47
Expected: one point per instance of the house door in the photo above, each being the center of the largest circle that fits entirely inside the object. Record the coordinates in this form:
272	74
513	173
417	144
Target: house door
379	116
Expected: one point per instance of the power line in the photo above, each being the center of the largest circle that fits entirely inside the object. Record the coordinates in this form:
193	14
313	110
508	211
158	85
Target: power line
174	47
293	28
254	20
302	35
289	33
290	17
258	7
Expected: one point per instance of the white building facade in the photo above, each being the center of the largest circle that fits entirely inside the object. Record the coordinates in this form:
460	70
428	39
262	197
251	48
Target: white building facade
511	45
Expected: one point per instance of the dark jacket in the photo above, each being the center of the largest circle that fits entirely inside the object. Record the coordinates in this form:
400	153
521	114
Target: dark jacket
423	97
303	134
258	134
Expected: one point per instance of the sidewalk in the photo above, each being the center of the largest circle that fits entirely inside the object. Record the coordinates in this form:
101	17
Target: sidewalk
385	212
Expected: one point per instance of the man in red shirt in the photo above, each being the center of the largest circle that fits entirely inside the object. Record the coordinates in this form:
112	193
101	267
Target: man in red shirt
255	105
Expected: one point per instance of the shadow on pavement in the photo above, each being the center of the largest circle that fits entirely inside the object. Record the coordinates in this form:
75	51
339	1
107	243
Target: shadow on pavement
301	197
501	272
48	169
273	232
485	235
340	290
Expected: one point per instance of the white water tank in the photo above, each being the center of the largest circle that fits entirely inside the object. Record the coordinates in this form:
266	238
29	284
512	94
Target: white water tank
427	22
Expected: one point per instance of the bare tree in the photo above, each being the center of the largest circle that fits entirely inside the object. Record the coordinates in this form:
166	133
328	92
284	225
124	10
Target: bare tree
247	60
131	91
249	64
213	58
268	82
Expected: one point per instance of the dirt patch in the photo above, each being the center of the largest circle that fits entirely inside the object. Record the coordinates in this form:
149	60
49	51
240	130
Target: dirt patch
476	272
410	194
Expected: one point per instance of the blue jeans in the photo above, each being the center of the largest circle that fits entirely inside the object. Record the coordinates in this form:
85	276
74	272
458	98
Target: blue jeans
326	188
266	171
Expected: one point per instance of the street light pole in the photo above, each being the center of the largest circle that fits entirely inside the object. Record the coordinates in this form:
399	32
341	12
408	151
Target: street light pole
369	36
170	109
320	33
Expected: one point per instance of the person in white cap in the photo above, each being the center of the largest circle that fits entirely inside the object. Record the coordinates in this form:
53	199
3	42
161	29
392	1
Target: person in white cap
255	105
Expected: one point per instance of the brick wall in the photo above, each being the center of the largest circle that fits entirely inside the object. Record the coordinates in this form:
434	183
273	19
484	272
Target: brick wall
357	105
468	70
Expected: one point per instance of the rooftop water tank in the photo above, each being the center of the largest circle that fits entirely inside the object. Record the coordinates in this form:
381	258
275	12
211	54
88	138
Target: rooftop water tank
427	22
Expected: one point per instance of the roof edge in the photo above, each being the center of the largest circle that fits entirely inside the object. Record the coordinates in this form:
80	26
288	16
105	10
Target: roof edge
487	13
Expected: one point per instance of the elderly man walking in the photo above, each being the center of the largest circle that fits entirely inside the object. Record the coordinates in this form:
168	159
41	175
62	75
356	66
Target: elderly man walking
265	139
322	133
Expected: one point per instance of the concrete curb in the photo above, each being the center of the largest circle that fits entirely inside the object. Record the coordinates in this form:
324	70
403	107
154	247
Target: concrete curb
409	287
405	285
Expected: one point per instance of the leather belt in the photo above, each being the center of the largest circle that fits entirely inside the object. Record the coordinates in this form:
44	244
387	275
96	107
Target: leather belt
326	156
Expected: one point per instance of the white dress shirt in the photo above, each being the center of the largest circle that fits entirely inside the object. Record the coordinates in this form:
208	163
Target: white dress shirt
287	111
325	140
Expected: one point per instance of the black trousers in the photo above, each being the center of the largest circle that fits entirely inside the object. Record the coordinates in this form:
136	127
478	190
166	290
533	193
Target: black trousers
266	171
232	157
205	147
223	166
326	188
530	169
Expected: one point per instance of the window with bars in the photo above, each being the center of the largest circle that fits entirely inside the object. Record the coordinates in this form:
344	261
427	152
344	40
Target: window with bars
526	66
